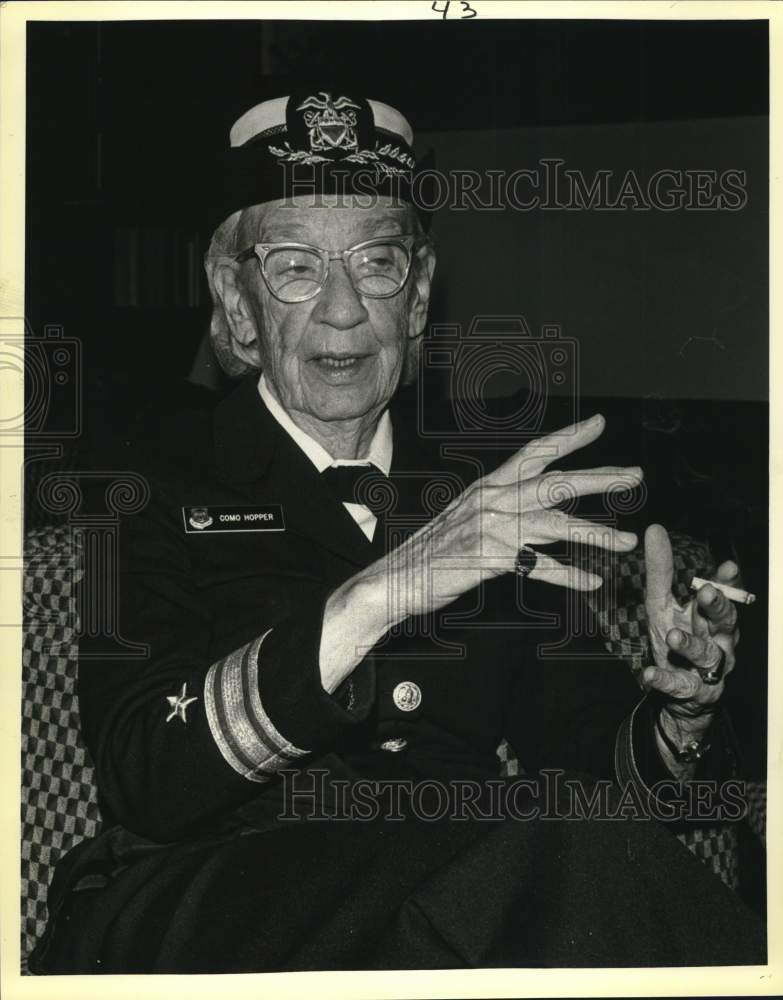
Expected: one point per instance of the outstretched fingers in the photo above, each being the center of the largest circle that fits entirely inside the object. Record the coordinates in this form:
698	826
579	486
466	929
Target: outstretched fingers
537	455
659	562
549	570
554	488
554	526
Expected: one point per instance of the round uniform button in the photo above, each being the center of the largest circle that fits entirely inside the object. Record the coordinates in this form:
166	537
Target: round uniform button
407	696
394	746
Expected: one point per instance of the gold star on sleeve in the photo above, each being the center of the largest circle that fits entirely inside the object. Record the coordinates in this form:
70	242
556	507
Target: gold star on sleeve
179	703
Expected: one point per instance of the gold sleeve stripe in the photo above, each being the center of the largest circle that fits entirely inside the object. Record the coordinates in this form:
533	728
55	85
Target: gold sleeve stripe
241	728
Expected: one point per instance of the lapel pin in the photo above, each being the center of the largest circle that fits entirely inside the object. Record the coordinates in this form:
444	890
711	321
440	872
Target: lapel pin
199	518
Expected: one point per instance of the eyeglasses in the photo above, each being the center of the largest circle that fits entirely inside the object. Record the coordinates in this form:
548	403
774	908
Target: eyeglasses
296	272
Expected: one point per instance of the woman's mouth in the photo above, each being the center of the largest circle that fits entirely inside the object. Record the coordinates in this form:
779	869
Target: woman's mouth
340	367
341	362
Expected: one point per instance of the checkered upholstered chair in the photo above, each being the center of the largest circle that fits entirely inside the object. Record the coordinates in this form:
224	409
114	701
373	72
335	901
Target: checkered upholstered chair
59	800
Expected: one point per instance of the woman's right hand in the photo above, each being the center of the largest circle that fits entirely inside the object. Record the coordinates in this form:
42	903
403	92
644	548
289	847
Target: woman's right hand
477	537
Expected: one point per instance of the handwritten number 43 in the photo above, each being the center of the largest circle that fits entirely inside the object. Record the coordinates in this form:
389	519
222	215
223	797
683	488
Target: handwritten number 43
443	8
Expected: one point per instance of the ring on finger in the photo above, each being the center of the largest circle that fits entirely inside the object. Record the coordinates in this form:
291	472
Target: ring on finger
714	674
526	561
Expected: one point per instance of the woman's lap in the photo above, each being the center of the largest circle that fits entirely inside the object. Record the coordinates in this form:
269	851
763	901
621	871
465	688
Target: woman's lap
409	894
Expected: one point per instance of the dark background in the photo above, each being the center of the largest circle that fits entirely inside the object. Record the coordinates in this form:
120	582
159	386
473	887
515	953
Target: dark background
123	124
124	121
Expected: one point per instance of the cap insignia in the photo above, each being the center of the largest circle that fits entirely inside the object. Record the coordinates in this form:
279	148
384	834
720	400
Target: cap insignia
330	124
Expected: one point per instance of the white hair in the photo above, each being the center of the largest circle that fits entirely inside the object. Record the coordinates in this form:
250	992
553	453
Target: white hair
223	245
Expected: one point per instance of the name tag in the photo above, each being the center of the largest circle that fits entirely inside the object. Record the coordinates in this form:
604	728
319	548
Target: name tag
207	520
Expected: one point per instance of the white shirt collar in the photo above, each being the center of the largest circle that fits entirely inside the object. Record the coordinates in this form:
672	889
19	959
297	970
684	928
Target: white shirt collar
381	446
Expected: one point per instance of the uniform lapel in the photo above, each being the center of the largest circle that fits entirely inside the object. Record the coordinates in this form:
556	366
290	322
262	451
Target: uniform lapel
258	458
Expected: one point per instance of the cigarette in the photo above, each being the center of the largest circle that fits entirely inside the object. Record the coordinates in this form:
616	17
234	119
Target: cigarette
733	594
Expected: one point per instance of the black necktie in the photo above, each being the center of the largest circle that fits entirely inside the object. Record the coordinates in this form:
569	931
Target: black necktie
362	484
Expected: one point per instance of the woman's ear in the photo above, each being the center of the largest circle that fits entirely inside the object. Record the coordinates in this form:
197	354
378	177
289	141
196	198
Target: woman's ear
423	267
223	277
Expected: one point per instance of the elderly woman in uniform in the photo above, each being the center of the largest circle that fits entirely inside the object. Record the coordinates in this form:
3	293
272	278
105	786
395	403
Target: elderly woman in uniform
303	772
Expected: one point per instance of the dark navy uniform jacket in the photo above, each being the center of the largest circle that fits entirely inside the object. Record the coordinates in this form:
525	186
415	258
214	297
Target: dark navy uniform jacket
233	619
200	866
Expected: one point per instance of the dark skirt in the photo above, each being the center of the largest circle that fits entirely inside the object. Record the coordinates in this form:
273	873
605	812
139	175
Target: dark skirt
395	894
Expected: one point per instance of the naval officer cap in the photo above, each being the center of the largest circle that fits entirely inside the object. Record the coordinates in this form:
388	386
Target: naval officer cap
317	142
